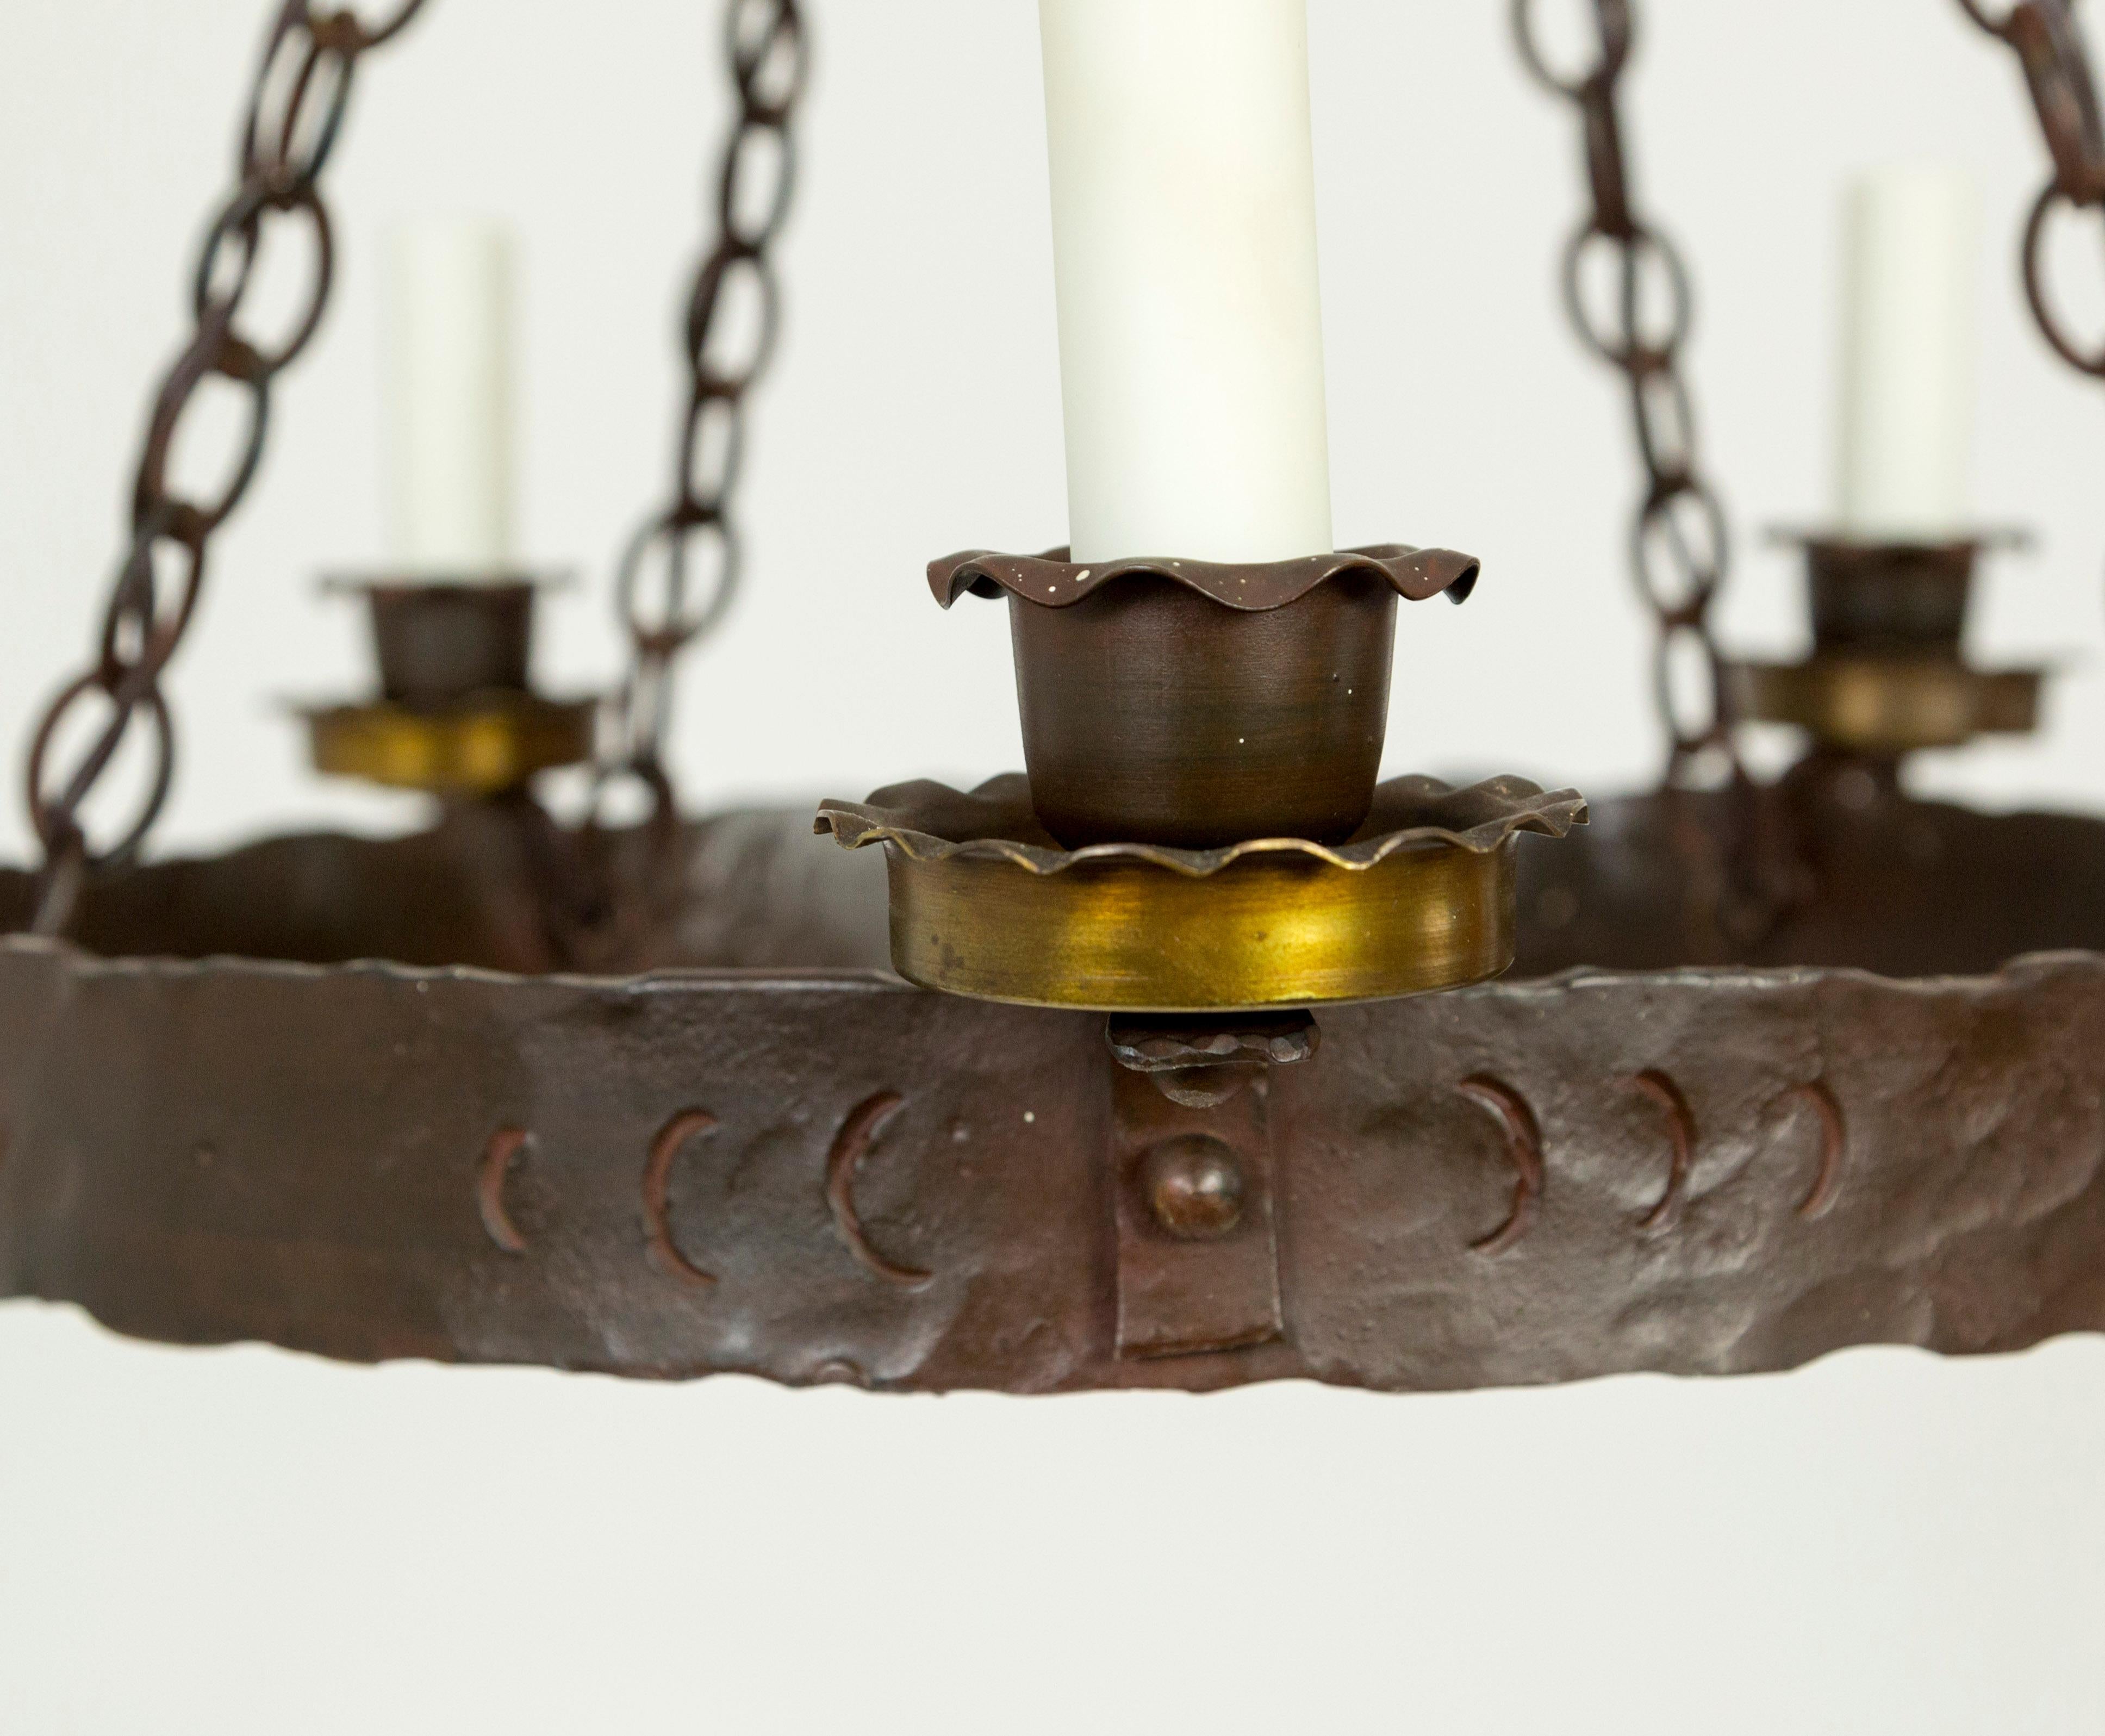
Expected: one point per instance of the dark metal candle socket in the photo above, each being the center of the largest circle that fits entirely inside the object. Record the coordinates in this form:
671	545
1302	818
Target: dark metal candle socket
438	643
1197	706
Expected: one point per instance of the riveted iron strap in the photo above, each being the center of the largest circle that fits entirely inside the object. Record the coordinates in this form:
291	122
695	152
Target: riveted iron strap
1193	1195
291	124
681	570
2049	45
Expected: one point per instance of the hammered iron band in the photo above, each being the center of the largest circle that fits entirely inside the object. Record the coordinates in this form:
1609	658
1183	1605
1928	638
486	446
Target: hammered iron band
294	118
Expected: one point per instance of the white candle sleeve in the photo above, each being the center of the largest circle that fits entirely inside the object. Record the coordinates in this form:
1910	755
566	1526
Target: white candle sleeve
1184	246
446	344
1908	346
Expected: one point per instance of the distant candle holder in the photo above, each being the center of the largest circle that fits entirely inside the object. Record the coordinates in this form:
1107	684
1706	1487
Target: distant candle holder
1198	704
456	714
1888	675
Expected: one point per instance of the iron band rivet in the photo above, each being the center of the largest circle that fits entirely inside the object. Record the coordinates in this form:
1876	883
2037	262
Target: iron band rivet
1194	1186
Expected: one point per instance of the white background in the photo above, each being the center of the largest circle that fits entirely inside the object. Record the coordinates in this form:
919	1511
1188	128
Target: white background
242	1541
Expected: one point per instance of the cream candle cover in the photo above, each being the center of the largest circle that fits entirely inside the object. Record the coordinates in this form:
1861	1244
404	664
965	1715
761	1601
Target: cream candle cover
446	338
1184	250
1911	250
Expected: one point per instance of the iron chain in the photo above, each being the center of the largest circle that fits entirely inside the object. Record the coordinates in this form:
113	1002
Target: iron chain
1739	880
680	572
293	119
1680	546
2049	45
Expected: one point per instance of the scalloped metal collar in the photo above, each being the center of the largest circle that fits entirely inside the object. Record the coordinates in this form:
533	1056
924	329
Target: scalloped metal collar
1056	582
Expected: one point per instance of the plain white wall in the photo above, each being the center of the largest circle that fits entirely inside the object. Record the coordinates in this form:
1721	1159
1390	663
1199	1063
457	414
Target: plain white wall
242	1541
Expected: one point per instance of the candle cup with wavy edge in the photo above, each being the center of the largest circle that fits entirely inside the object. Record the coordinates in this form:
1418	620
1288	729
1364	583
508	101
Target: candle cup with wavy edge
1195	703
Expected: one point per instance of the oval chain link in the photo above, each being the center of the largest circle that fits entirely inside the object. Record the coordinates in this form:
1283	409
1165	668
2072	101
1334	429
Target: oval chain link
293	118
681	570
2049	45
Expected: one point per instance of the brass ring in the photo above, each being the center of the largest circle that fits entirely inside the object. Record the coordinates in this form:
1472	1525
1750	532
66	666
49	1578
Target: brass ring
1888	704
483	746
1269	930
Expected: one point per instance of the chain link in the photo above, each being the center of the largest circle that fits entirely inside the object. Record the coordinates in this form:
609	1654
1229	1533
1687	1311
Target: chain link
2049	44
681	570
294	116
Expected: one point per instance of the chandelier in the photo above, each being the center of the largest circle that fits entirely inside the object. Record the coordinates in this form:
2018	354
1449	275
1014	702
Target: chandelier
1192	1055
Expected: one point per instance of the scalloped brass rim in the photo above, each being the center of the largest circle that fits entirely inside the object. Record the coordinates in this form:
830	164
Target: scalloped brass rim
1888	704
478	747
1266	931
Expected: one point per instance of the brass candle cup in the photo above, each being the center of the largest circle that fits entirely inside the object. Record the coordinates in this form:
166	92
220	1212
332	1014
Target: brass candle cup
1197	705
